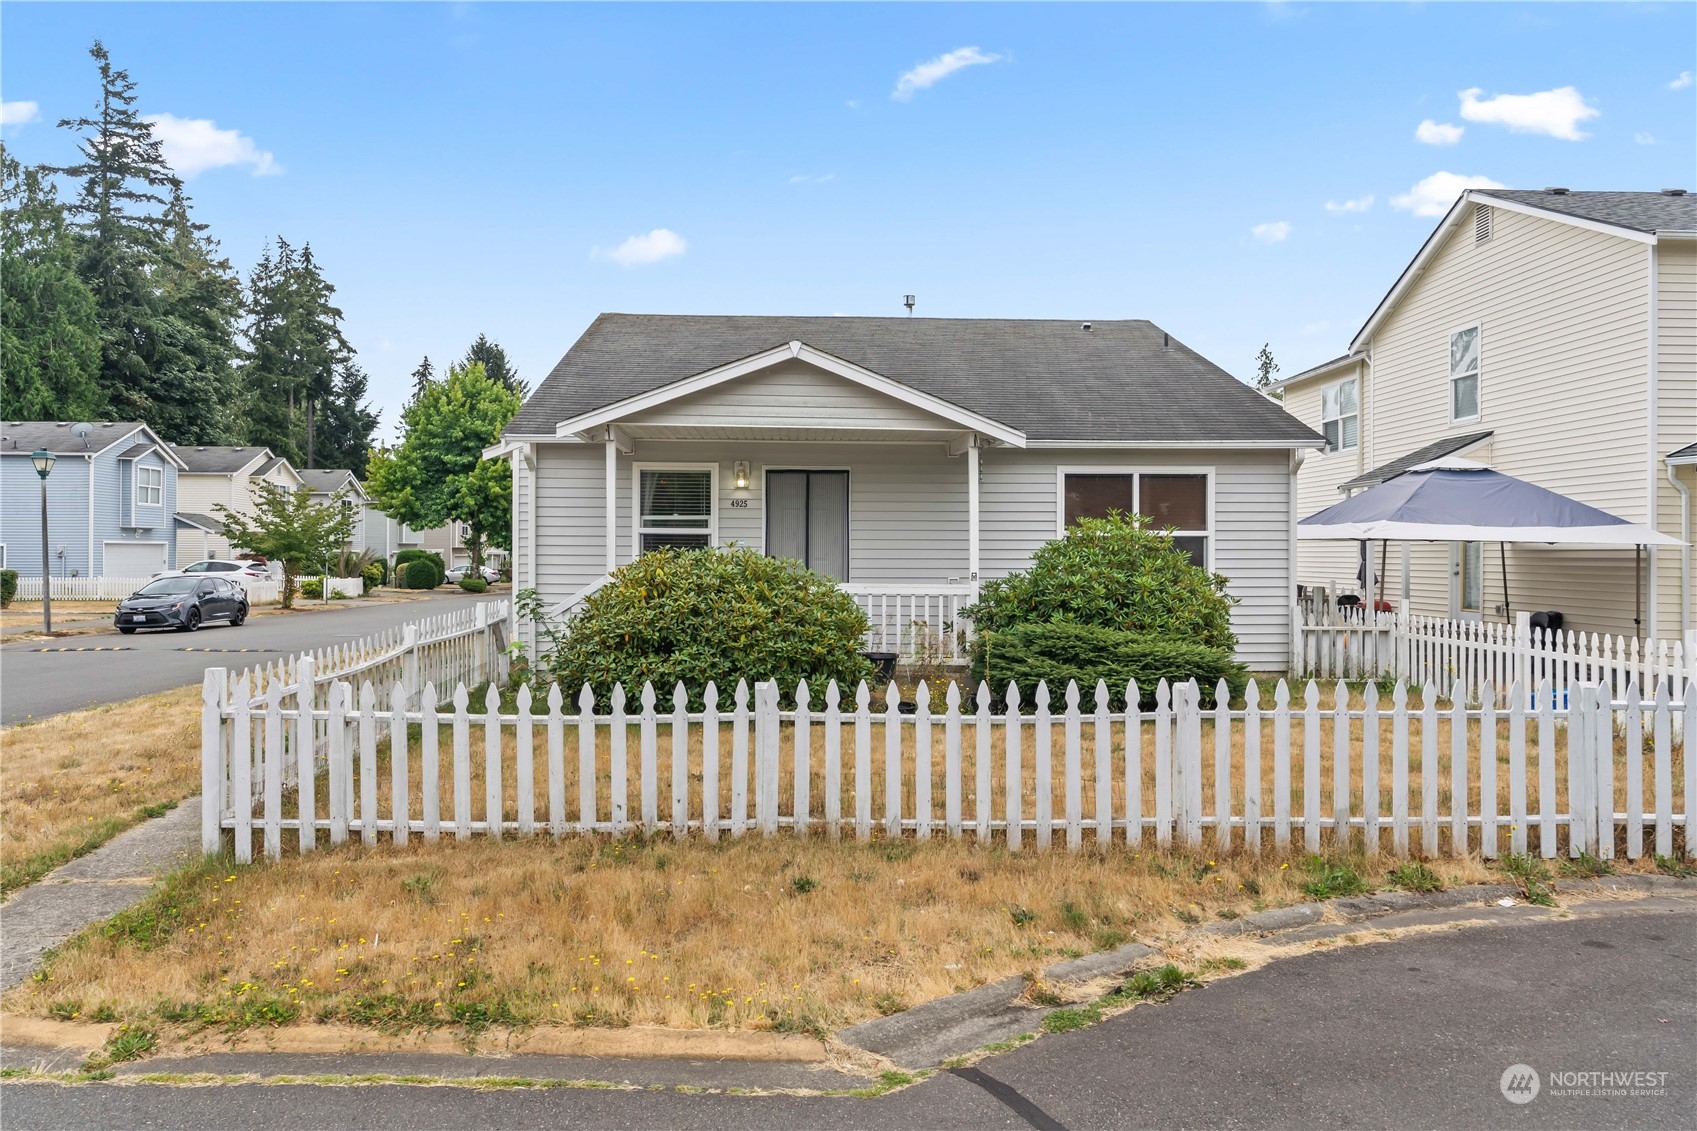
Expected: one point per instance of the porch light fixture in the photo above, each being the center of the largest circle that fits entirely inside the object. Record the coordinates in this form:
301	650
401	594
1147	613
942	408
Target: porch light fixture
739	474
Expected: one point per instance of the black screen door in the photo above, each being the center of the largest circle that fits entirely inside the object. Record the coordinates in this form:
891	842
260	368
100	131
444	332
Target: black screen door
807	519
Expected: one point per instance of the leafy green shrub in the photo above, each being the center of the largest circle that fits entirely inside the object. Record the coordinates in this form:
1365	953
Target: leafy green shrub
1112	573
372	575
1062	650
691	616
8	587
312	588
421	573
415	555
474	584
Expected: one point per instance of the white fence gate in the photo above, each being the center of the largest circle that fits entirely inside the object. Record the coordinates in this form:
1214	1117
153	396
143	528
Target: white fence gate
1404	777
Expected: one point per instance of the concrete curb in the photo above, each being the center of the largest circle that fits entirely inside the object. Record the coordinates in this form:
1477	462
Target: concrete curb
927	1035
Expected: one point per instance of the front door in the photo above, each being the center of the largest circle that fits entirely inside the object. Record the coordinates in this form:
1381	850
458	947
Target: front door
807	519
1467	580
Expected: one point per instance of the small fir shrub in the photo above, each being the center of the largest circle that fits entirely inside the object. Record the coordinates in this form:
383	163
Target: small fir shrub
693	616
1062	651
1112	573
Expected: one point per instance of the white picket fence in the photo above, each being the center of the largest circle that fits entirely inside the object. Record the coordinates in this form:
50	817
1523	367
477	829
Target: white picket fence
117	588
1350	644
1423	777
915	620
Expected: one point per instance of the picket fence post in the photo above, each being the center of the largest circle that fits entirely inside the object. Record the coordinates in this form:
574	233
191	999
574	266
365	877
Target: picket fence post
212	764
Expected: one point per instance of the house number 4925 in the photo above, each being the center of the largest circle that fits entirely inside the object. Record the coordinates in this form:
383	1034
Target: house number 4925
739	504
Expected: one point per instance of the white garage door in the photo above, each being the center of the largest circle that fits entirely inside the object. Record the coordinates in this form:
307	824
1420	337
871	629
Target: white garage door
133	559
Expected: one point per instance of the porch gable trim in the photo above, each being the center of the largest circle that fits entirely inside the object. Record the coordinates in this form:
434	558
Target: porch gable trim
795	350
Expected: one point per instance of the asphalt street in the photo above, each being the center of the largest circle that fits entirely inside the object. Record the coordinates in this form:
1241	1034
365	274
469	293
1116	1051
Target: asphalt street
45	677
1412	1033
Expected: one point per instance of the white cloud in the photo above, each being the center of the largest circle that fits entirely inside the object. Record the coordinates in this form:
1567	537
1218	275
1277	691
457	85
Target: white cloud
1680	83
194	145
1438	133
1275	231
1341	207
932	72
806	179
17	113
1555	113
1643	138
1434	195
661	243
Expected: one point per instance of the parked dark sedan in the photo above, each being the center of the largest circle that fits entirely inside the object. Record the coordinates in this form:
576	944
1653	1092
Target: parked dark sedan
183	603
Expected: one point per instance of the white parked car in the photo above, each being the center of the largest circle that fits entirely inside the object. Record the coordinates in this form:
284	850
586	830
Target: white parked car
454	573
219	567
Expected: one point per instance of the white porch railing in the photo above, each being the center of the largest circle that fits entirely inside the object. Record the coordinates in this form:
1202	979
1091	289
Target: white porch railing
117	588
917	621
1343	643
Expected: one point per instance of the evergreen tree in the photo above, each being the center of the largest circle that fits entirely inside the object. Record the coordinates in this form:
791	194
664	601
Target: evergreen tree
120	216
202	300
346	422
49	334
1265	369
495	363
295	350
422	377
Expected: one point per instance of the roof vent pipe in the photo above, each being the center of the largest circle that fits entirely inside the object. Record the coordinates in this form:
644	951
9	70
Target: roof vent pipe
1166	340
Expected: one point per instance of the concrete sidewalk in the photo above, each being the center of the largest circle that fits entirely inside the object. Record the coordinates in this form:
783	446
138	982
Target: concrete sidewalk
116	875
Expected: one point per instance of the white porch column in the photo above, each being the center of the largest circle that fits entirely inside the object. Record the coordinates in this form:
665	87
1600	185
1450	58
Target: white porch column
612	502
972	513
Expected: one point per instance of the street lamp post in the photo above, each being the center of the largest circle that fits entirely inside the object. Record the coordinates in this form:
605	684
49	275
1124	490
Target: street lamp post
44	460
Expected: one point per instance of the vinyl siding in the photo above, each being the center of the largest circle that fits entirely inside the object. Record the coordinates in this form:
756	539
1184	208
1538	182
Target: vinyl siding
1317	482
1564	333
793	394
67	514
908	520
1676	413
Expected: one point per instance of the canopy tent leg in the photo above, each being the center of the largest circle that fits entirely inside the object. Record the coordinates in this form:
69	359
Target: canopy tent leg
1502	564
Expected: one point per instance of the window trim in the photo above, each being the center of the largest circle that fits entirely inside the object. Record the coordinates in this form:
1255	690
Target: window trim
1324	420
636	471
1478	376
1210	473
1461	579
136	487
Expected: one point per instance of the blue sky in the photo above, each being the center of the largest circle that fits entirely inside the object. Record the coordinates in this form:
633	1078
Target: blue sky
1237	173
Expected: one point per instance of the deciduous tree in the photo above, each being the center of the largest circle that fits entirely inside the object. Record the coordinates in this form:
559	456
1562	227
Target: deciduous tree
288	527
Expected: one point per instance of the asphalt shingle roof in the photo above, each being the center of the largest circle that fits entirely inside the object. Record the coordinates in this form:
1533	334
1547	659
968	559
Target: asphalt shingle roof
1051	379
55	436
200	521
216	459
135	450
1639	211
1438	449
326	480
1689	451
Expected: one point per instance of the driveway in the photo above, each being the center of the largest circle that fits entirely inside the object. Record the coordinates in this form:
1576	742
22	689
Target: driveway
1411	1033
44	677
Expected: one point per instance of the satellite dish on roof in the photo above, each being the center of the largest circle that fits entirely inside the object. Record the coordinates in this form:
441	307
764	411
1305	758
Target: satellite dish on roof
82	432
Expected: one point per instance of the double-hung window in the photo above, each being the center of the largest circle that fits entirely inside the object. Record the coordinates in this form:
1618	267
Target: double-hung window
1169	500
150	486
1340	418
1464	374
674	507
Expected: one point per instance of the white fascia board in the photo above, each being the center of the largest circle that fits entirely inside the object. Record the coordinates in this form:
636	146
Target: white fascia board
803	352
1158	445
1560	217
1335	366
1681	461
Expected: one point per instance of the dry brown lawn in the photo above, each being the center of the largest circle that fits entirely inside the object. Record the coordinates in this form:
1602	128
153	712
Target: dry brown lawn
752	933
73	781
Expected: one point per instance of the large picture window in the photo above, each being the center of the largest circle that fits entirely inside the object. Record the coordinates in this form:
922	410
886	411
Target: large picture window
1464	374
1340	419
674	507
1168	499
150	486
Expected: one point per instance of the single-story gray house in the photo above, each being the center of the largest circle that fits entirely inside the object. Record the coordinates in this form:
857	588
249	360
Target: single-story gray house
910	458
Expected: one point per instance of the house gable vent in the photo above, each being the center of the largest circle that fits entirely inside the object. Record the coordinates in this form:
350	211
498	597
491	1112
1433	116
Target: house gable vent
1481	223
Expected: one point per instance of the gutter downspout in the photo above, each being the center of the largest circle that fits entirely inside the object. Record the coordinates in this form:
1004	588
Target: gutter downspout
89	457
1653	367
1685	550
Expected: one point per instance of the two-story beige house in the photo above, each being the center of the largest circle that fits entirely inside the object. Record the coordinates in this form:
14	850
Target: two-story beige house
1553	336
213	476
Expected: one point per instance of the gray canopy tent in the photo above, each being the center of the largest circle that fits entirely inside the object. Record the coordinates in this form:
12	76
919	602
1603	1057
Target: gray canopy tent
1458	500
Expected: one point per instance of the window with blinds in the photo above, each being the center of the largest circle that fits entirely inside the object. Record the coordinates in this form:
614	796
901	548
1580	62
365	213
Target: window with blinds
676	508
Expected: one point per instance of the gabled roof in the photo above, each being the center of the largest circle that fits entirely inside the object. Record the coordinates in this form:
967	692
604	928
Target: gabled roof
327	481
21	437
219	459
1049	380
1639	216
136	451
1344	361
1438	449
1635	211
1687	454
199	521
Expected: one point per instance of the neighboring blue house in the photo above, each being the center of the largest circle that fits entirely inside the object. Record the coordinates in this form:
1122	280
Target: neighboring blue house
111	500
